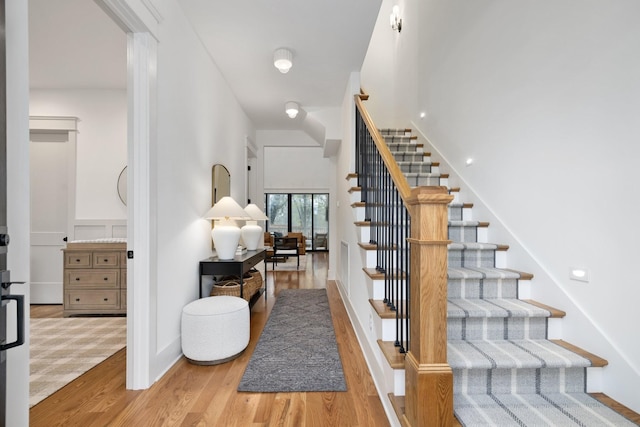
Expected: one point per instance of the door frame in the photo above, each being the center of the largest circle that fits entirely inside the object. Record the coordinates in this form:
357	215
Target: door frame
140	20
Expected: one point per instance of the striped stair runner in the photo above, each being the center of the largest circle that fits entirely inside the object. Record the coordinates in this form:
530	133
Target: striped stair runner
506	371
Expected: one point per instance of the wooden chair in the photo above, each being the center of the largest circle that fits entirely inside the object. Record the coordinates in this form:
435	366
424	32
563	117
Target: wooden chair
285	247
302	244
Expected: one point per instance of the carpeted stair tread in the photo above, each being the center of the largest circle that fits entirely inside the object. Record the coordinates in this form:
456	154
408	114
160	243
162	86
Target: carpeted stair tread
497	307
467	223
596	361
503	354
476	246
411	156
555	313
549	409
481	273
413	175
399	139
404	147
394	131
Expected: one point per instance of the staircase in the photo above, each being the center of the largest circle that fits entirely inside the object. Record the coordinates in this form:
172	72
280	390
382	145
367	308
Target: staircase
509	365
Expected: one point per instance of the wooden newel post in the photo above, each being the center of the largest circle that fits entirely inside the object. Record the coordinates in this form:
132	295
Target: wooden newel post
428	376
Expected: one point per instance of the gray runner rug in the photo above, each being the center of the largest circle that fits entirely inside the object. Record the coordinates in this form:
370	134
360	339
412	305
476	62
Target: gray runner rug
297	351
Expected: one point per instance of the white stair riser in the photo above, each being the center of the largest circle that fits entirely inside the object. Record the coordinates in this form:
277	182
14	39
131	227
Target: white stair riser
467	214
394	379
524	289
378	289
365	234
554	328
355	196
483	235
388	329
370	259
594	380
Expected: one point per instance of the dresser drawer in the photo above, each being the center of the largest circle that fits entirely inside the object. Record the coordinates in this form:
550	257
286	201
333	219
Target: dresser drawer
92	299
78	259
93	278
106	259
123	300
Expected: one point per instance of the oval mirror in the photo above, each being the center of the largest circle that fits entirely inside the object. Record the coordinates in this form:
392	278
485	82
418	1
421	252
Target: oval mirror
220	183
122	186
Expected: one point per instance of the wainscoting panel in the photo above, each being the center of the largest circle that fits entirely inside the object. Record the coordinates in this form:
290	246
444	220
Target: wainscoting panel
99	229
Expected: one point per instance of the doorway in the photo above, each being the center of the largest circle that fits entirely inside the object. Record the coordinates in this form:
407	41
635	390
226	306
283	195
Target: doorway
306	213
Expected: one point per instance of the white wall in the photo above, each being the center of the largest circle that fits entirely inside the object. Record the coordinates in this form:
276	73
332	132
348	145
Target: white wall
200	123
545	97
289	169
281	140
101	144
18	199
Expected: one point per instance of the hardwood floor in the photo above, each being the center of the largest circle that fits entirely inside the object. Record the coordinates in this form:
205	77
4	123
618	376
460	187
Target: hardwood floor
192	395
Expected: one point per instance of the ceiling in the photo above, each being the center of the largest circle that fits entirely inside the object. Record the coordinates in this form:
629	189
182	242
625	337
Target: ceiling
74	44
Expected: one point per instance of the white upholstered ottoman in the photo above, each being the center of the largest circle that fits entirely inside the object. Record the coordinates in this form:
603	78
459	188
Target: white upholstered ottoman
215	329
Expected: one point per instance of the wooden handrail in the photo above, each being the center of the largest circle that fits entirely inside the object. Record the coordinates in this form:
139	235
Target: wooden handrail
396	174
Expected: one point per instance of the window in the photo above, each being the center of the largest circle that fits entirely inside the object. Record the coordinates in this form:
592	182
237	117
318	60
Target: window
307	213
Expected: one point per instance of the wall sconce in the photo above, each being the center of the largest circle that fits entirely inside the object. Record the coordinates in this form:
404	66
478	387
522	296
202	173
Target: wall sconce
395	20
283	60
225	233
252	233
291	108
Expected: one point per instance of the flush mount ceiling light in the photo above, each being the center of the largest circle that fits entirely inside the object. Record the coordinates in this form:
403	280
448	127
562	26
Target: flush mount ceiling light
395	20
283	60
291	108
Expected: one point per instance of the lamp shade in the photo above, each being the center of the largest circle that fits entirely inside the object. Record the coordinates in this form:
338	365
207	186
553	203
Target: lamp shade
225	232
255	212
227	208
251	231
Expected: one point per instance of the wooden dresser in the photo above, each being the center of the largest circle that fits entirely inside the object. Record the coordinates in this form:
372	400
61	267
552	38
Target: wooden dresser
95	278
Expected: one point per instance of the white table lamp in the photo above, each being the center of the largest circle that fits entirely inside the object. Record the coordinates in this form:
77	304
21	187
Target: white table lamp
252	232
225	233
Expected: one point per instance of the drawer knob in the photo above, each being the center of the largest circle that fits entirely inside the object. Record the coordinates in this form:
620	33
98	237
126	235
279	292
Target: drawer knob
77	279
106	299
77	299
106	260
106	278
77	260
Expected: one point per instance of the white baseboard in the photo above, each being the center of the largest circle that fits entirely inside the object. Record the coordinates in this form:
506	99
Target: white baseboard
46	293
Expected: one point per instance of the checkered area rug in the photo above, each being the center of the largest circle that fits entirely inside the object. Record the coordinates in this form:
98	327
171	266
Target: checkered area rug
62	349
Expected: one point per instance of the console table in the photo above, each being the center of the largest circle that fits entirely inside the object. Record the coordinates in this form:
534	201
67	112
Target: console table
237	266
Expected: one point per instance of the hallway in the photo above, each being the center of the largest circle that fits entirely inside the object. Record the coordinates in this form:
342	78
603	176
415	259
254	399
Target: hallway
206	395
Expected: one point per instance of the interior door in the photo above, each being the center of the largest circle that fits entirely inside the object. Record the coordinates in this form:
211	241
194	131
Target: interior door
49	214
